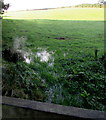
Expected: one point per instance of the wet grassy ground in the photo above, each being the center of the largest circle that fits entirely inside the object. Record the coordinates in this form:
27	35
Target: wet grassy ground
61	53
84	36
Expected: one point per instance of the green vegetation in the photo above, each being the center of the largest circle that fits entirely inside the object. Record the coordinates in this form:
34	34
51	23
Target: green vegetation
97	5
66	59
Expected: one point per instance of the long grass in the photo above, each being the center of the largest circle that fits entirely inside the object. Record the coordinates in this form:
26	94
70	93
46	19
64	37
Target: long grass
71	36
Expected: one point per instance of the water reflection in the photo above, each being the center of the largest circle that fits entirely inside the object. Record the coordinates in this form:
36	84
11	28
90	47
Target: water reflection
42	53
19	45
26	55
54	92
27	58
51	64
45	56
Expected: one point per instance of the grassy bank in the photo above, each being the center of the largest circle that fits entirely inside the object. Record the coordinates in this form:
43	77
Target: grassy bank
61	66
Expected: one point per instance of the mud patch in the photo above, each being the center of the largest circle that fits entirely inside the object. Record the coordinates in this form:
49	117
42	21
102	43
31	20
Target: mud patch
61	38
12	55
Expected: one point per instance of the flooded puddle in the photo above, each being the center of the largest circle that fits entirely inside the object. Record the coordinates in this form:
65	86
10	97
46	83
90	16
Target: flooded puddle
42	53
53	92
19	45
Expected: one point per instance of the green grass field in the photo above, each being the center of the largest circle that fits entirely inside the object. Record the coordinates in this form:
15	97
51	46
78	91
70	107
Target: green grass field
60	14
60	45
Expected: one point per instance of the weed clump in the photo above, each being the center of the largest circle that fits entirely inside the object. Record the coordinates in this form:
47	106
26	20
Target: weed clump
19	80
80	83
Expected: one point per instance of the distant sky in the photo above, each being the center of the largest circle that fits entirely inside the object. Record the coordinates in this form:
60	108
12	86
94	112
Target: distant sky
36	4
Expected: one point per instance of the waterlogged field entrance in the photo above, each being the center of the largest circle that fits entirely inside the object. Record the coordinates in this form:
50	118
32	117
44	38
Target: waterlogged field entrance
53	58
